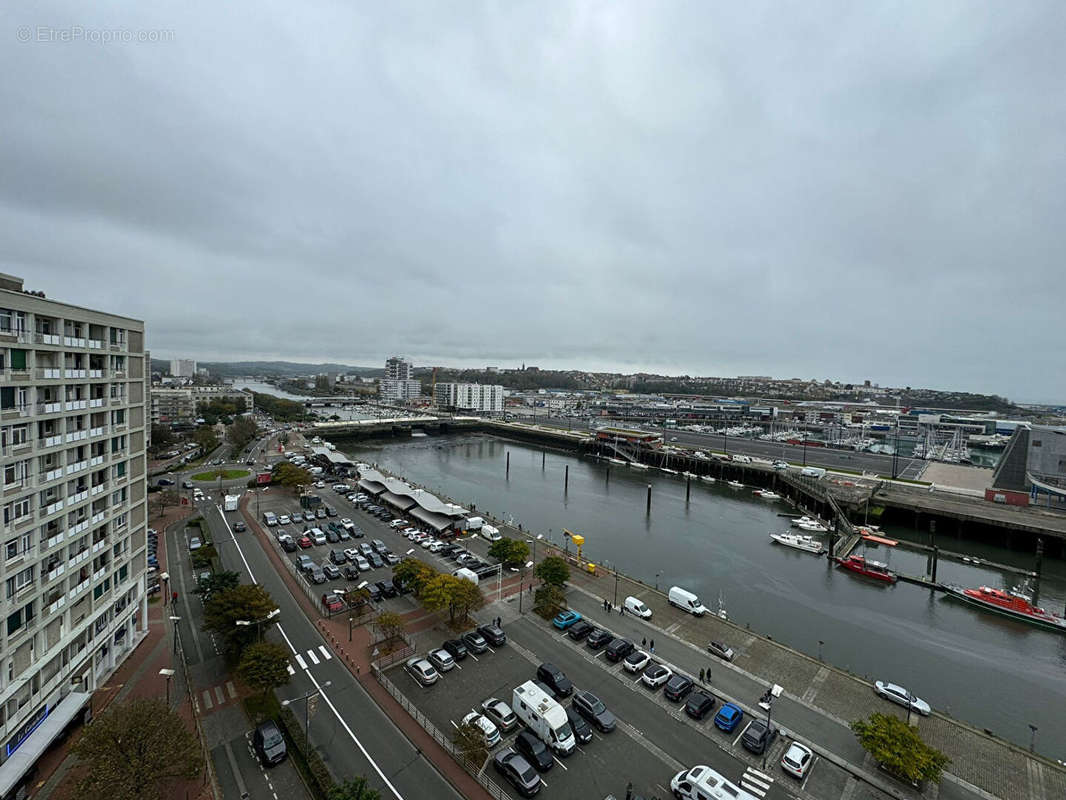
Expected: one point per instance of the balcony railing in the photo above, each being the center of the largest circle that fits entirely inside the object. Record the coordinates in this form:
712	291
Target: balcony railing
96	344
76	405
49	373
49	475
97	402
52	407
74	341
47	338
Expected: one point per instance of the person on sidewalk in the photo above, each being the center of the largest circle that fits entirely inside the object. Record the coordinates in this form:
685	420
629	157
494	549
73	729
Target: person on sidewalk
701	674
621	611
652	645
643	641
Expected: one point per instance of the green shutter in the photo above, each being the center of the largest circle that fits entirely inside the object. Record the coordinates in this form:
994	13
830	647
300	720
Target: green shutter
18	359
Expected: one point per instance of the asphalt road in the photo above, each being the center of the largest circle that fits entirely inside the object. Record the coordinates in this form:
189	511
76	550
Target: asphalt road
353	735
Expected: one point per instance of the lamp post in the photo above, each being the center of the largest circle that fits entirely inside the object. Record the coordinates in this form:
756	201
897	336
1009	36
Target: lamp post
307	711
165	577
820	643
174	622
657	576
258	622
168	674
616	584
522	585
1032	737
769	726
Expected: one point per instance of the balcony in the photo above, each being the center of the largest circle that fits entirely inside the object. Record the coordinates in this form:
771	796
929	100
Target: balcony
118	373
53	541
96	344
100	488
74	341
96	461
47	338
77	497
49	407
118	346
73	373
79	558
77	436
58	604
97	431
99	574
96	373
81	587
100	545
56	571
49	373
77	528
17	485
96	402
15	412
51	440
76	405
120	400
17	374
53	507
49	475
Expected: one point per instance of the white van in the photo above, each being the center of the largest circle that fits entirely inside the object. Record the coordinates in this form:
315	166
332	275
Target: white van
686	601
474	524
491	533
468	574
813	472
703	783
637	608
742	459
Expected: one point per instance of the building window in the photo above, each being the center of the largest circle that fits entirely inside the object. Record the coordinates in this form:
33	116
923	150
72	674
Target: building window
11	549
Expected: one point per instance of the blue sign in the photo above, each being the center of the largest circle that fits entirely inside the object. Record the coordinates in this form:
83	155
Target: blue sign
28	727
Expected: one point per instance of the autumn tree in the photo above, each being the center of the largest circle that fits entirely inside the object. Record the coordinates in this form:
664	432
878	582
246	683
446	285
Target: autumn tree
240	433
217	582
466	597
898	748
134	751
389	625
264	666
548	600
205	437
470	741
288	475
414	573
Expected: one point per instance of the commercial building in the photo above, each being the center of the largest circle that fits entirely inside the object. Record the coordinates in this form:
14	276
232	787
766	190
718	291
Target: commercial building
398	386
182	367
469	397
73	393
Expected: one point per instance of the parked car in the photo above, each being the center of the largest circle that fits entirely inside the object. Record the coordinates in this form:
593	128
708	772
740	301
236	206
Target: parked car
599	638
499	712
332	603
556	680
351	573
534	750
350	554
637	608
580	630
338	556
475	642
897	694
728	717
422	671
636	661
332	537
656	675
331	571
375	561
441	659
493	635
619	649
386	589
269	744
195	544
723	651
595	711
316	574
362	564
456	649
284	519
488	730
678	687
564	619
519	772
287	544
579	725
758	736
318	537
699	704
797	760
391	559
305	542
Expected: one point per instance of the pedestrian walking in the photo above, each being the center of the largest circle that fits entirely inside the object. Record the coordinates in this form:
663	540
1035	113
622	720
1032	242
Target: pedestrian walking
605	604
621	611
652	645
701	674
643	641
174	597
629	791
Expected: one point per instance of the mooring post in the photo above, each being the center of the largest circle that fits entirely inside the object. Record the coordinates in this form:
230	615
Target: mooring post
936	555
647	509
688	488
566	479
542	454
508	475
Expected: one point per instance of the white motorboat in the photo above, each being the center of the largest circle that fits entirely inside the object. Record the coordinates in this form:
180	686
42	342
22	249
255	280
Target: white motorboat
707	479
736	485
766	494
800	542
812	525
618	461
637	465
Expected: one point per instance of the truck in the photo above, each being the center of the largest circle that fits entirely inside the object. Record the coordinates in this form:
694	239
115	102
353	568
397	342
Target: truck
469	574
231	501
544	717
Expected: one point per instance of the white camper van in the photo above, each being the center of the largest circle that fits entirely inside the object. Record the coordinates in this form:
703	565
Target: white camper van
546	718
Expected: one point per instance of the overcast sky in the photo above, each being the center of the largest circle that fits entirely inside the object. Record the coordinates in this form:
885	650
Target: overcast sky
845	190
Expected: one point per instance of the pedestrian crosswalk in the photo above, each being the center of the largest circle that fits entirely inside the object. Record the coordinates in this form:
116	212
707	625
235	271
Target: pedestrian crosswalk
314	656
758	783
217	695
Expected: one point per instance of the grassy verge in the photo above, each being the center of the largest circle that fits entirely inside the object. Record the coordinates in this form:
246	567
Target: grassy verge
224	474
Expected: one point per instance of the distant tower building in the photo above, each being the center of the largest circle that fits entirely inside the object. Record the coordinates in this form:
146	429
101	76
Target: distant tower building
182	367
397	385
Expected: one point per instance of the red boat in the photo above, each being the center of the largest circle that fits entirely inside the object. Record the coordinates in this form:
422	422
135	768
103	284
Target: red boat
1010	604
871	569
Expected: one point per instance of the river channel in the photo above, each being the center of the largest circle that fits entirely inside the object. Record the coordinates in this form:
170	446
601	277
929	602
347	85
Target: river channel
989	671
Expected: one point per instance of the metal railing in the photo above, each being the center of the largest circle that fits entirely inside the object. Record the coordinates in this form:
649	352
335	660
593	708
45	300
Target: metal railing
479	775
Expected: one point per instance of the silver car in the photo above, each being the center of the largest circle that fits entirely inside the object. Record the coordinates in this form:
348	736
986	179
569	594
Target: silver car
499	713
422	671
897	694
441	659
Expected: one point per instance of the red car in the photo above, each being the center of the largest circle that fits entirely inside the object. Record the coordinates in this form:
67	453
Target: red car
305	542
332	603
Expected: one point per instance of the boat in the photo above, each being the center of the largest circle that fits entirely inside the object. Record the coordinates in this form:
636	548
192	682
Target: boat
799	541
721	608
668	471
811	525
689	475
870	537
766	494
637	465
871	569
1014	604
736	485
707	479
618	461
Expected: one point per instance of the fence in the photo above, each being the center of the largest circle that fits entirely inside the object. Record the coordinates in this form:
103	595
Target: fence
487	783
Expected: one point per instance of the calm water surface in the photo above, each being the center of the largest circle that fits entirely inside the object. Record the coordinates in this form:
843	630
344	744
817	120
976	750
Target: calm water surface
992	672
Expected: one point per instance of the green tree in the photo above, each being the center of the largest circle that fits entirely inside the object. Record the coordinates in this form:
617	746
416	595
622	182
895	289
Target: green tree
283	439
241	432
414	573
553	570
206	438
264	666
353	789
470	742
162	437
466	597
548	600
249	602
899	749
288	475
437	592
204	556
511	552
390	625
134	751
218	582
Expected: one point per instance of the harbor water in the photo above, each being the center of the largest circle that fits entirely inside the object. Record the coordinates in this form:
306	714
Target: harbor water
987	670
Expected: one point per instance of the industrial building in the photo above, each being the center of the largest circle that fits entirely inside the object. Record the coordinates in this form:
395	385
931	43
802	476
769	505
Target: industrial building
73	394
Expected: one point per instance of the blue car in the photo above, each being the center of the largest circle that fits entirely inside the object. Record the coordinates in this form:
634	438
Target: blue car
728	717
564	619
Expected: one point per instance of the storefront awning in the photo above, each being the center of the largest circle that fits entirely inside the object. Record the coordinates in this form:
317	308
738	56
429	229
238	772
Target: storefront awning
33	746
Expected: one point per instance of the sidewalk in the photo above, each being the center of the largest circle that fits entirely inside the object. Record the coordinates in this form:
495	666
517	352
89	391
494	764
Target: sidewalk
138	676
356	657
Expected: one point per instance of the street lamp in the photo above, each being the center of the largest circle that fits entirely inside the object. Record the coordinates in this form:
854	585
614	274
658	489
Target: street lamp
616	584
258	622
307	711
522	585
174	622
165	577
1032	737
168	674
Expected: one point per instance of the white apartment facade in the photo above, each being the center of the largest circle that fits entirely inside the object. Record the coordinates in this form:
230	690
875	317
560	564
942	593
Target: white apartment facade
182	367
73	391
398	386
477	397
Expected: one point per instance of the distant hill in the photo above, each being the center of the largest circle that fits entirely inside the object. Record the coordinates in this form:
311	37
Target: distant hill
232	369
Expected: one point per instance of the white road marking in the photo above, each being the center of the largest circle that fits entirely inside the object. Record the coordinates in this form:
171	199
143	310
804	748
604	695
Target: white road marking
803	786
311	655
290	669
303	665
560	763
325	652
741	734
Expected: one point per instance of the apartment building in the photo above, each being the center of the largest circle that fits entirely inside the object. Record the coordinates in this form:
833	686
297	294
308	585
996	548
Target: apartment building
72	447
476	397
398	385
178	405
182	367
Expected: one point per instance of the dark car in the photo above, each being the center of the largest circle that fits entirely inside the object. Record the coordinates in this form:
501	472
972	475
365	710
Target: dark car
593	709
375	560
619	649
288	545
375	592
534	750
456	649
678	687
386	589
579	630
239	527
269	743
699	704
399	585
165	482
493	634
331	572
758	736
475	642
556	679
337	556
581	728
518	771
332	537
351	573
599	638
317	575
